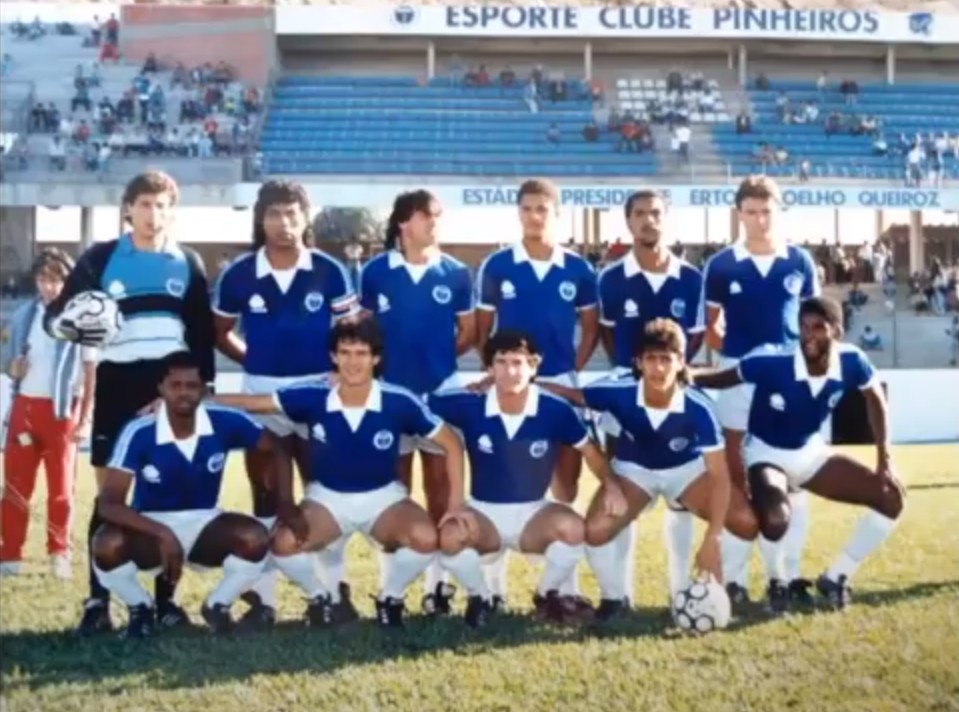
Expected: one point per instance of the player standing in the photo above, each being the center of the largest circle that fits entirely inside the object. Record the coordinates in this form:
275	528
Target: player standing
540	289
285	296
176	458
355	426
162	291
796	389
423	301
647	283
513	434
754	287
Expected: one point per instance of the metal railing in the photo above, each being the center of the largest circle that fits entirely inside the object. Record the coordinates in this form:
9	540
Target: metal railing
225	171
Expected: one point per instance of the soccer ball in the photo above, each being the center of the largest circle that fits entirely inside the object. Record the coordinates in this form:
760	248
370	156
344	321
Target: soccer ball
94	310
703	607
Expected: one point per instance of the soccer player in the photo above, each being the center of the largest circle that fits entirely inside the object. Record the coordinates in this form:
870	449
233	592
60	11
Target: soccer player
423	301
796	389
53	383
647	283
542	290
513	434
176	457
671	446
355	426
162	291
285	296
754	287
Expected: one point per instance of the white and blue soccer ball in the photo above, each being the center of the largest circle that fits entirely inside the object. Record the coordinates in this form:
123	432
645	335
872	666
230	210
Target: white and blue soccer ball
93	310
702	607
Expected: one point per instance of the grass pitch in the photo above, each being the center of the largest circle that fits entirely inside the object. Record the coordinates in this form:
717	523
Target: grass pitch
897	648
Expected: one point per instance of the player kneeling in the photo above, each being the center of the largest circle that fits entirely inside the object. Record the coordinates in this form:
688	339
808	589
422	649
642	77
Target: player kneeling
796	391
355	423
513	434
671	446
175	458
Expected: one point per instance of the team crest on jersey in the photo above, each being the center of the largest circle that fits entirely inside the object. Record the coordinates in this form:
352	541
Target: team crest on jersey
257	304
383	440
538	448
678	444
567	290
777	402
735	288
677	308
319	433
150	474
382	303
793	283
507	289
484	444
116	288
313	301
630	309
834	399
176	287
442	294
216	462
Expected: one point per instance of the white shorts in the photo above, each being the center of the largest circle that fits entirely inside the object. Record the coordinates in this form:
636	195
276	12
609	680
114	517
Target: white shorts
277	423
356	511
509	519
186	525
799	465
732	404
412	443
669	484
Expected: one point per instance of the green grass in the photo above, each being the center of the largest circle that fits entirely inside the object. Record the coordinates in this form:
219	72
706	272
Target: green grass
896	649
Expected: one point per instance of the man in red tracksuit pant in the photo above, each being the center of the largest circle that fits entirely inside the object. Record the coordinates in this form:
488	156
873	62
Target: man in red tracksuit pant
49	416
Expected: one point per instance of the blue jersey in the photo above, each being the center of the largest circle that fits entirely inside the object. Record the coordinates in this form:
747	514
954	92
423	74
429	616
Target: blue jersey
759	295
789	406
178	476
540	299
512	457
286	318
355	449
630	297
654	438
417	307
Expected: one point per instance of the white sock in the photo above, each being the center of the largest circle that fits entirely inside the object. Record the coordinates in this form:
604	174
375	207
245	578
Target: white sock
772	553
466	567
399	569
495	572
302	569
123	583
238	575
872	530
435	575
678	535
795	540
735	553
607	565
570	585
332	565
626	555
561	560
264	585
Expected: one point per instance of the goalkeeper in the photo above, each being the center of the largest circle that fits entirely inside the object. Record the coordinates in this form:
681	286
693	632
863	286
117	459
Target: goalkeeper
162	292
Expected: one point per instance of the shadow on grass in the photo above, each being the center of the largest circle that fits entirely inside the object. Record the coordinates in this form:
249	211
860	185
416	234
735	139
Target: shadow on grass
194	658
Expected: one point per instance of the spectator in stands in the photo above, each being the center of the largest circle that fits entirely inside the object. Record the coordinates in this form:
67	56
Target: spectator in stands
553	134
530	97
707	102
151	65
762	82
880	147
558	88
591	132
58	154
850	91
536	78
804	169
6	64
674	82
683	135
507	77
744	124
822	82
811	112
954	146
628	135
782	106
953	333
781	155
937	287
113	30
914	159
870	340
81	99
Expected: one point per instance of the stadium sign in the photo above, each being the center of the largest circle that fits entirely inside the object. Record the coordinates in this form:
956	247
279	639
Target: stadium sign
614	196
618	22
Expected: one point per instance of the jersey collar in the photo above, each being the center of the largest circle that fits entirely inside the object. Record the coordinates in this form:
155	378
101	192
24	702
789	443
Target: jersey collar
374	401
164	431
833	370
631	266
558	258
741	253
395	259
170	247
263	267
530	409
677	403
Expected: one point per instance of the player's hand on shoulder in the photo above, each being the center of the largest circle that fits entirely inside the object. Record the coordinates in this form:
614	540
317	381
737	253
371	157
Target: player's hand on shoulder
171	556
480	386
151	407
